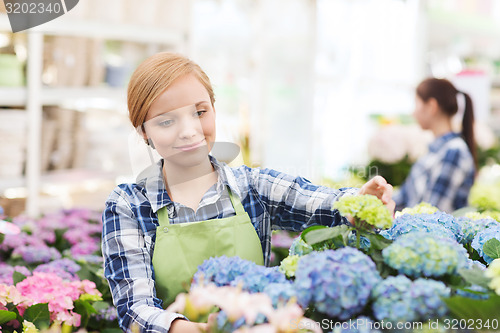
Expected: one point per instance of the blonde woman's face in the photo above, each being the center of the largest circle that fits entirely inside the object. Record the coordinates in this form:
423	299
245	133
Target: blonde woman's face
181	122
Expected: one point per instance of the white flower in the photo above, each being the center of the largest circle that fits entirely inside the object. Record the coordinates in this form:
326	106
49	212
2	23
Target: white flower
485	138
388	144
391	143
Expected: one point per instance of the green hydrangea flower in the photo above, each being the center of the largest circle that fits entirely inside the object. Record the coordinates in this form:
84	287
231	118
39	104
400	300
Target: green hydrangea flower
422	254
366	208
485	196
421	208
289	265
493	272
90	297
494	215
476	216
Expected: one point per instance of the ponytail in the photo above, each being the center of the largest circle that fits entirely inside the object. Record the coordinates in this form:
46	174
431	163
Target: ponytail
468	127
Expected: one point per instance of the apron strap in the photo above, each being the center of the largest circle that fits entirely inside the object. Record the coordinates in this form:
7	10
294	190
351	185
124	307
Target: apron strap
163	216
238	208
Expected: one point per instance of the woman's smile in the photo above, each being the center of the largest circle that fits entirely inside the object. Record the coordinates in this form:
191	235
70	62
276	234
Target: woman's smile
192	146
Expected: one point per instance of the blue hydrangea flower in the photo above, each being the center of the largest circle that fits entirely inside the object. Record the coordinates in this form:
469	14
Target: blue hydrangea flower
280	293
474	292
471	227
254	281
299	247
234	271
423	254
472	264
438	223
64	268
364	243
336	283
481	238
398	299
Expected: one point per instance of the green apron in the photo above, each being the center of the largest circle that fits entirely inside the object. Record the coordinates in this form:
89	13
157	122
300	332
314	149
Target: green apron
181	248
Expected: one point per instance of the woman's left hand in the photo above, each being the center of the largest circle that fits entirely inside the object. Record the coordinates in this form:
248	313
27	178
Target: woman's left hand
379	187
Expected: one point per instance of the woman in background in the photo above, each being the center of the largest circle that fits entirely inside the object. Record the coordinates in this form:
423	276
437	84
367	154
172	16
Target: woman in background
443	177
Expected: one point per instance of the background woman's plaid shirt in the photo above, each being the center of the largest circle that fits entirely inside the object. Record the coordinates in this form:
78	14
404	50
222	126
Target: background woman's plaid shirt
443	177
273	200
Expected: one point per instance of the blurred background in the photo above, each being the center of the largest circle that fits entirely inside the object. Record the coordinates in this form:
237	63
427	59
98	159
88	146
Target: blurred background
318	88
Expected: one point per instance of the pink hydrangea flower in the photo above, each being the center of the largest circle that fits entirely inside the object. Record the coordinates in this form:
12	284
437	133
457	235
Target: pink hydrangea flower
59	294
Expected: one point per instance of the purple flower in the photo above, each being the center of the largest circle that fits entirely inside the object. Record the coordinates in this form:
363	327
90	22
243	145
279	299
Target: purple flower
37	254
91	258
87	247
108	314
6	272
64	268
12	242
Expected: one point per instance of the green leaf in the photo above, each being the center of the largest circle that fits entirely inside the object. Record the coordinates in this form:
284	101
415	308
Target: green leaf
477	309
462	211
39	315
6	316
377	242
474	276
18	277
100	305
85	309
320	235
2	236
492	248
85	272
305	232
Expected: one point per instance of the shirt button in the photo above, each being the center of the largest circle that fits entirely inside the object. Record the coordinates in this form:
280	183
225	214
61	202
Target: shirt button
165	229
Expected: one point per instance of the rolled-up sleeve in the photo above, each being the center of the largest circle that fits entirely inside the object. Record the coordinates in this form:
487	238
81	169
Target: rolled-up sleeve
294	203
129	271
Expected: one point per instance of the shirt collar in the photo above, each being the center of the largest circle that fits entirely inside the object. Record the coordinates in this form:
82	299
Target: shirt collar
152	180
439	142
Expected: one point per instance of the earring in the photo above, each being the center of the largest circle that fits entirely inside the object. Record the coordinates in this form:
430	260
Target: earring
150	142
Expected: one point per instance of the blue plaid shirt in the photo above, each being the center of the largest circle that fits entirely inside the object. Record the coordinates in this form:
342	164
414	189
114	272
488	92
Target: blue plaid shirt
273	200
443	177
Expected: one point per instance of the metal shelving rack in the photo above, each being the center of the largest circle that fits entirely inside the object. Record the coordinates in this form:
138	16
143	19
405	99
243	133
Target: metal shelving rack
34	96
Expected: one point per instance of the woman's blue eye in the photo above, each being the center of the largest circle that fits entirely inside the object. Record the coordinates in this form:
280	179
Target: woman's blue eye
166	123
200	113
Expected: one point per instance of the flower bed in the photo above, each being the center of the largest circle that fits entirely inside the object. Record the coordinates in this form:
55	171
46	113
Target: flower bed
51	274
423	267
